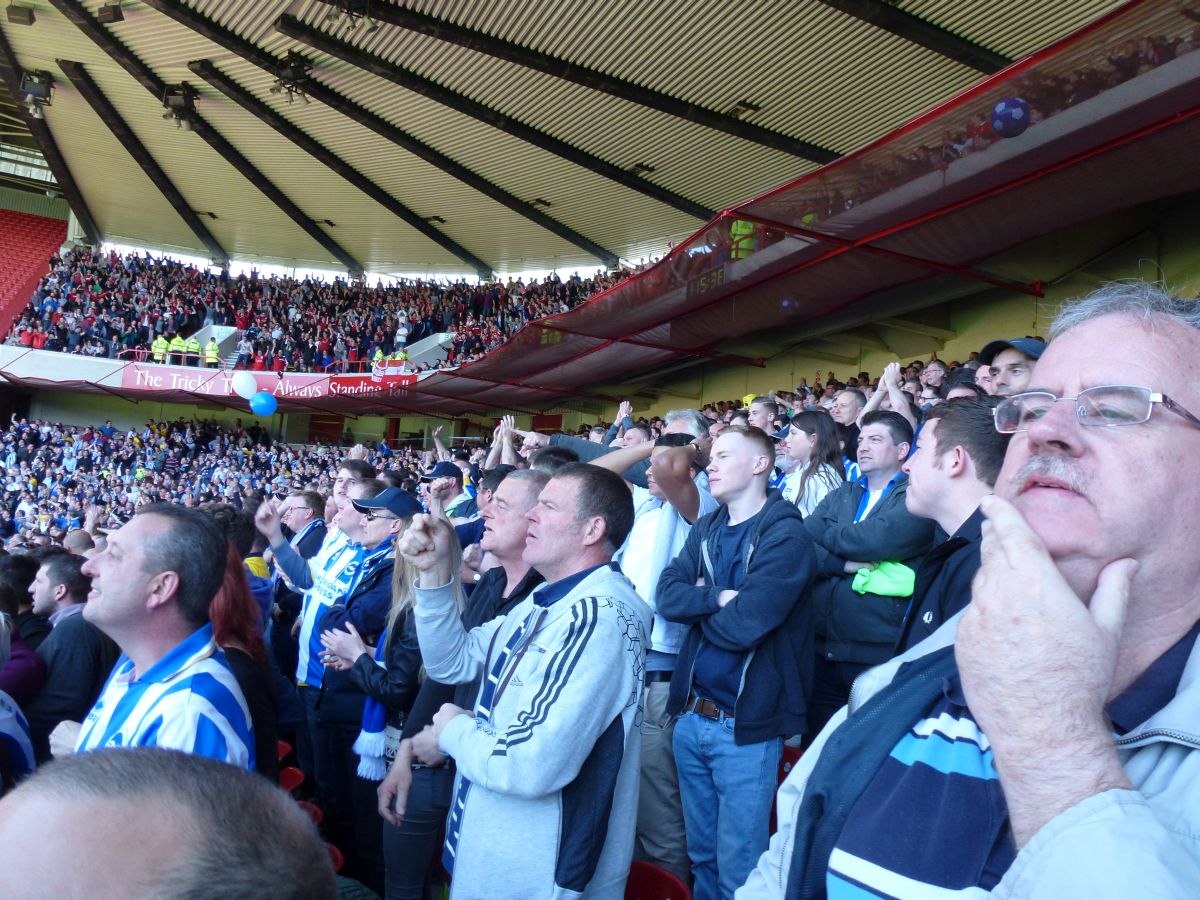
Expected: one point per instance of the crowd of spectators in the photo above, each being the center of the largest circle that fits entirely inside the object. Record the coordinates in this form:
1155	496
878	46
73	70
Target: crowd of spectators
58	476
101	303
692	597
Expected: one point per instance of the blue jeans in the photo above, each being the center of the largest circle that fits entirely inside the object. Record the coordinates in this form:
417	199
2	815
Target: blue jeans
727	793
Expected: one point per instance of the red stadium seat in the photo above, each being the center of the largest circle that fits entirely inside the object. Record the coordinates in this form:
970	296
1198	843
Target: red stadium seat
313	811
283	748
650	882
290	778
336	856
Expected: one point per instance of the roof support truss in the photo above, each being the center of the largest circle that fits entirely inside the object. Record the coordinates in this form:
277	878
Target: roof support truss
480	42
10	70
398	75
923	33
142	73
108	114
231	89
223	37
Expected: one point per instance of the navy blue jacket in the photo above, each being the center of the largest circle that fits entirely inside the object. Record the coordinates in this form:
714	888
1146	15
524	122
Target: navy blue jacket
943	584
341	700
770	620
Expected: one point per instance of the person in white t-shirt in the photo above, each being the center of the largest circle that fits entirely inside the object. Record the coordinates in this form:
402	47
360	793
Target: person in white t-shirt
664	513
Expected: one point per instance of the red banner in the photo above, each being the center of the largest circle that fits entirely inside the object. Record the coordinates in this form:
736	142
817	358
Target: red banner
150	377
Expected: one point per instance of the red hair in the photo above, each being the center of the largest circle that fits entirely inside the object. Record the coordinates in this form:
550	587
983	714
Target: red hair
235	616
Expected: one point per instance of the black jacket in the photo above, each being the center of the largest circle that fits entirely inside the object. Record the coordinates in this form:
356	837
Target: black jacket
79	658
394	684
854	627
770	620
341	700
943	583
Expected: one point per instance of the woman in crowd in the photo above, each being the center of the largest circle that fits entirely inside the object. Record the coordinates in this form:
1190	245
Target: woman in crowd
390	674
237	628
813	442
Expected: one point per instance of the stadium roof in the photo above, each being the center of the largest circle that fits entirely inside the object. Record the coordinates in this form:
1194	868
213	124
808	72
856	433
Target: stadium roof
478	135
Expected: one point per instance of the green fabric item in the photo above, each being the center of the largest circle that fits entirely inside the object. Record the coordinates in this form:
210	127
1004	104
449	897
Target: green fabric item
886	579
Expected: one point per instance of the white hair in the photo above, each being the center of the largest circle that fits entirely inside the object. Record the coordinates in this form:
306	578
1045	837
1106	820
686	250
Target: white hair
1148	303
697	422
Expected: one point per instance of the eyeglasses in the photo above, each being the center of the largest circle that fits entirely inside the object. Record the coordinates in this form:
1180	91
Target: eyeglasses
1103	406
371	517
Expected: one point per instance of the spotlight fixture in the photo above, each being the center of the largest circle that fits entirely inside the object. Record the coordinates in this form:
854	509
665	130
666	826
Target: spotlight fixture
293	75
37	92
355	13
20	15
179	102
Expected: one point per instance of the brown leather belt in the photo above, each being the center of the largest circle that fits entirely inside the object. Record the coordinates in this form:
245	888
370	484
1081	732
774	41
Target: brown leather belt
706	708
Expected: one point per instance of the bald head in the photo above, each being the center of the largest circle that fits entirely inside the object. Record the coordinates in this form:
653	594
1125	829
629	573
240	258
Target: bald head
152	823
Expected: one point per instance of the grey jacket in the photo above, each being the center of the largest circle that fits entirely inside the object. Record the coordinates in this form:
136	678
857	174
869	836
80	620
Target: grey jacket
1116	844
552	802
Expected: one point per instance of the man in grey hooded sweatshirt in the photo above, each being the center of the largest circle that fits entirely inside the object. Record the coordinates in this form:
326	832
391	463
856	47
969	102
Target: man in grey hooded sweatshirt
545	800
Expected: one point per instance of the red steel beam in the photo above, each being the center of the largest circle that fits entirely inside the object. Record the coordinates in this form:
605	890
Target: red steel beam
1082	156
1033	290
718	357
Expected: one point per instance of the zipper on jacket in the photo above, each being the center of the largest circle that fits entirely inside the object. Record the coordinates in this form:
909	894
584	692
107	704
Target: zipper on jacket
1178	736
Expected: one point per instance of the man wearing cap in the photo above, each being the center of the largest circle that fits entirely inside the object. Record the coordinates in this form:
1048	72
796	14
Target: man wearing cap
1011	363
372	520
444	482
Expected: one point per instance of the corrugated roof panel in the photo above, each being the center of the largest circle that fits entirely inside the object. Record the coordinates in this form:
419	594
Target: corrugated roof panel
1014	28
818	75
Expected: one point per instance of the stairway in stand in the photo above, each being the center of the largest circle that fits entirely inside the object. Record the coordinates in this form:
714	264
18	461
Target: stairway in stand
26	245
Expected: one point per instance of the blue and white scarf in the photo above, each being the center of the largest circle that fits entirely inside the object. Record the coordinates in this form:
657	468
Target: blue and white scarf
371	741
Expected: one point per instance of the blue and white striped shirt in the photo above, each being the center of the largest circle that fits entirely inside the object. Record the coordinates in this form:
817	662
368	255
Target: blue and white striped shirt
333	570
15	741
189	700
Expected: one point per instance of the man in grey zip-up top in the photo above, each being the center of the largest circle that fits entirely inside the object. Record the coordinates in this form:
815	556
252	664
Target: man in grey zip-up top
745	666
545	798
1045	743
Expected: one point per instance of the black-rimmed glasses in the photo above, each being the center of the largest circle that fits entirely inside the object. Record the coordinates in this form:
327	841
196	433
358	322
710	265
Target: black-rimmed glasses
1103	406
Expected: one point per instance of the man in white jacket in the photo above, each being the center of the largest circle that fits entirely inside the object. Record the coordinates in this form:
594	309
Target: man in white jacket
1045	742
545	798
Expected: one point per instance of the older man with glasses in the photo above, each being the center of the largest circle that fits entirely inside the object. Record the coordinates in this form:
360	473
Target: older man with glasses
1046	741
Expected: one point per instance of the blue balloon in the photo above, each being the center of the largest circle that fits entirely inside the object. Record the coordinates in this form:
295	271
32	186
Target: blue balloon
1010	117
263	404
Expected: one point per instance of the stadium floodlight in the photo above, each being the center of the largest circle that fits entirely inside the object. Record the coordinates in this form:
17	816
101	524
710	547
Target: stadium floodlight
37	92
179	102
355	12
293	76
